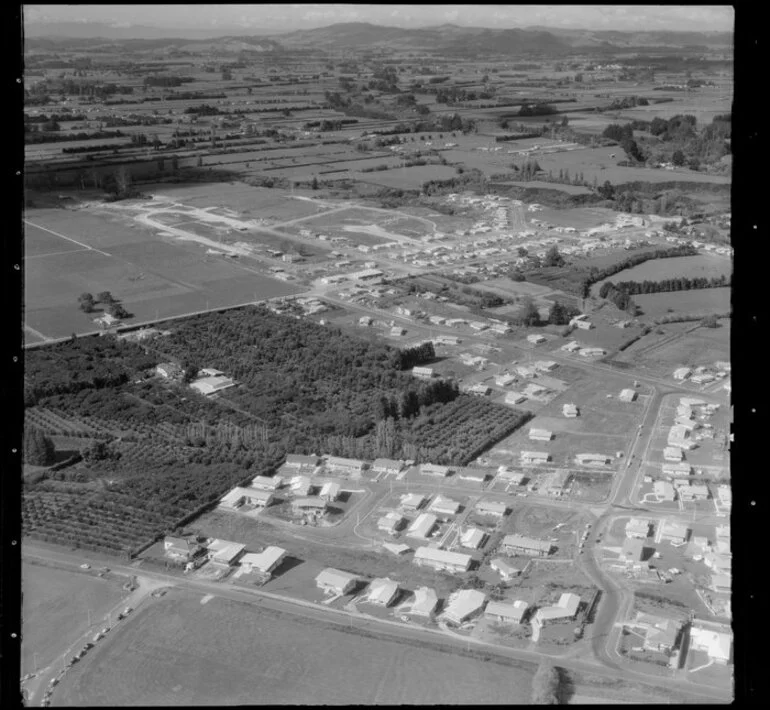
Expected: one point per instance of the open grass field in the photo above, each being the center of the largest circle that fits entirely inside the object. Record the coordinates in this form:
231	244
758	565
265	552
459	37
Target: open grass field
408	178
596	162
702	301
702	265
55	606
569	189
179	651
153	276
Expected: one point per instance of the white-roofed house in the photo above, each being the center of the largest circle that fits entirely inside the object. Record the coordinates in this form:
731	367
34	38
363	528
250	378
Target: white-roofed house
425	602
266	483
506	613
390	523
382	591
330	491
696	491
211	384
564	610
673	453
351	466
430	469
246	496
472	538
674	532
510	475
540	435
387	466
442	560
412	501
627	395
310	504
514	398
264	563
489	507
423	373
301	486
663	491
225	552
638	527
475	476
333	581
442	505
464	605
714	639
505	569
422	526
301	461
570	411
682	468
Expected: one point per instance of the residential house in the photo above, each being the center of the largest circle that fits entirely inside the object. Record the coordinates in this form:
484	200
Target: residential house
514	398
310	504
584	324
266	483
673	453
464	605
638	528
545	365
246	496
442	559
397	331
211	384
676	469
475	476
300	461
522	545
472	538
350	466
694	492
489	507
390	523
169	370
674	532
505	569
509	475
540	435
179	548
387	466
382	591
330	491
396	549
534	457
627	395
663	491
506	613
682	373
714	639
422	526
225	552
425	602
429	469
592	352
565	610
264	563
412	501
660	633
634	551
571	347
301	486
505	380
570	411
333	581
479	389
535	339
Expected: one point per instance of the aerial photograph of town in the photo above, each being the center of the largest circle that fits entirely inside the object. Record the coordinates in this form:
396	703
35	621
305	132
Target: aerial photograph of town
376	355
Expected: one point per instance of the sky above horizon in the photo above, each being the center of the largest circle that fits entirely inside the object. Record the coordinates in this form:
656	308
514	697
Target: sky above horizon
284	17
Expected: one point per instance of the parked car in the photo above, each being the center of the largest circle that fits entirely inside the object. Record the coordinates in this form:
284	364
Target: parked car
85	566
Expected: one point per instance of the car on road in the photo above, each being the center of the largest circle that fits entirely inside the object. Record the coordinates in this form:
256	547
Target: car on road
85	566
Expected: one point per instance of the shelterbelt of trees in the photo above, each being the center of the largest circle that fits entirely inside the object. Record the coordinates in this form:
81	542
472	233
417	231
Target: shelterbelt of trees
163	452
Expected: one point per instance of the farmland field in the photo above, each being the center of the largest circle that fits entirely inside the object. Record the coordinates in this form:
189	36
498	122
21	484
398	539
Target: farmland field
570	189
407	178
55	610
153	276
703	265
707	300
181	652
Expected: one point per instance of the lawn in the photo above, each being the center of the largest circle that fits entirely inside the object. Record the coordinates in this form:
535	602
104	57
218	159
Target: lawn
179	651
55	606
408	178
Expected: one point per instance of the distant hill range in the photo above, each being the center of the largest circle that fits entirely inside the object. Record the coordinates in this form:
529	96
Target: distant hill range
443	39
